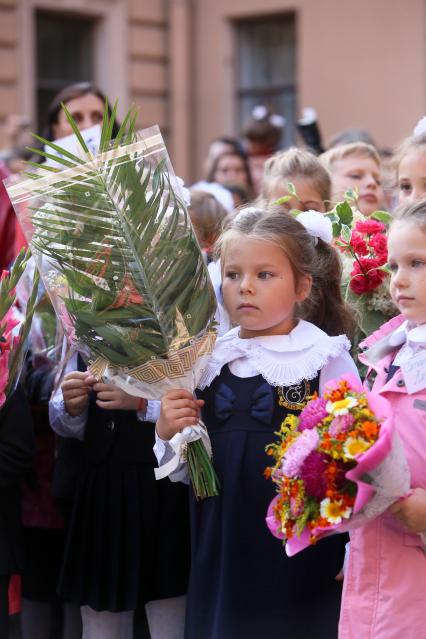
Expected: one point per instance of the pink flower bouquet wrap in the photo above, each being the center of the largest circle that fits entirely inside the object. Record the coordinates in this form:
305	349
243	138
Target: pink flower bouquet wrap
338	465
14	326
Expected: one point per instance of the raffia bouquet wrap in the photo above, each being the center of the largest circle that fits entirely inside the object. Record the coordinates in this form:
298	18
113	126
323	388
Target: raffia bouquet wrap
112	239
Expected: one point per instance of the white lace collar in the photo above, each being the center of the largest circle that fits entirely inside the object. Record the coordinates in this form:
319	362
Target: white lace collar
282	360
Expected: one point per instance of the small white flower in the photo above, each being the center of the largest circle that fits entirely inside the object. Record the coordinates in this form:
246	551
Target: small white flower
334	511
354	447
341	407
186	194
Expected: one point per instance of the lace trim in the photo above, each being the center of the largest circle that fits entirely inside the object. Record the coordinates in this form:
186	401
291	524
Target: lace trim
278	373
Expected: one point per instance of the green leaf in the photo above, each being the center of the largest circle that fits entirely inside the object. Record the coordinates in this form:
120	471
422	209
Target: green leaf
336	229
344	213
291	189
346	233
382	216
75	129
59	149
282	200
17	354
351	194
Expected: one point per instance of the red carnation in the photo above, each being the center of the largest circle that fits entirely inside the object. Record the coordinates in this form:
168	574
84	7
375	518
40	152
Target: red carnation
369	227
379	243
358	244
365	275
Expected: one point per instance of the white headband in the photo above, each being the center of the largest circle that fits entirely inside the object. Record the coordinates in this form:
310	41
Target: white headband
317	225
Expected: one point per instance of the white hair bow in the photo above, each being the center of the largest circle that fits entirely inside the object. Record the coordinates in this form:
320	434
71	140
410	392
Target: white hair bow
420	127
317	225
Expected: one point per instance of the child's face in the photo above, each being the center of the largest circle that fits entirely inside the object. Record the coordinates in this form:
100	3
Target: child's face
360	173
407	261
308	196
412	177
259	288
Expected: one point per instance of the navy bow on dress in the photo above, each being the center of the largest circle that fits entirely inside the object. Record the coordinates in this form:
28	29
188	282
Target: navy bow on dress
261	407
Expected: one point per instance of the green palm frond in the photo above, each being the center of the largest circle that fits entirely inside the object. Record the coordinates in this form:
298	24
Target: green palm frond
120	237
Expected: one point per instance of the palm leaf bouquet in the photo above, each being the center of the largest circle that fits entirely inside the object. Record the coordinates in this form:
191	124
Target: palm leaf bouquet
113	241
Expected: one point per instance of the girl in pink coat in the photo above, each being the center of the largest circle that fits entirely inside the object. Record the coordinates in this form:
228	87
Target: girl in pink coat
384	594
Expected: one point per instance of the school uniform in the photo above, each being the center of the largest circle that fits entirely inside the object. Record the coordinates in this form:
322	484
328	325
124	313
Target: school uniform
128	537
242	583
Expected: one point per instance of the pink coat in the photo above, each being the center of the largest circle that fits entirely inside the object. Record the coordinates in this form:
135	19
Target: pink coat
384	593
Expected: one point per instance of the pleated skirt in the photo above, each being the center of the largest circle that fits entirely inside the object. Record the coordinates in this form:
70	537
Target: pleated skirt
128	538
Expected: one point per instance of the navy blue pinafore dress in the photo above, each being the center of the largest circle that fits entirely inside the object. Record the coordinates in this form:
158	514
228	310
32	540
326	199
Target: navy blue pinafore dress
242	584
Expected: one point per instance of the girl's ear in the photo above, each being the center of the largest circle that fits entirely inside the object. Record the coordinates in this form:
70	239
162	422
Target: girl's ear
304	287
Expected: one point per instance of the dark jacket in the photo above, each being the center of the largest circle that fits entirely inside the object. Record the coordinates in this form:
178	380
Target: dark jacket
16	458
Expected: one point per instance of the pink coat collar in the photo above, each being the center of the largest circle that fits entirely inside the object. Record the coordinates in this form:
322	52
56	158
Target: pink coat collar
376	346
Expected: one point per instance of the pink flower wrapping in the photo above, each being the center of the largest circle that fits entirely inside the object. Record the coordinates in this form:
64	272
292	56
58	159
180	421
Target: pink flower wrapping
373	469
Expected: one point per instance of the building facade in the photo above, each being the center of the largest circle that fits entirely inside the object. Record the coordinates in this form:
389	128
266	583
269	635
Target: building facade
197	67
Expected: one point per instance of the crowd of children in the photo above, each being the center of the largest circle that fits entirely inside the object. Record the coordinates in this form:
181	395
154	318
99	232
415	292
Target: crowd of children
133	557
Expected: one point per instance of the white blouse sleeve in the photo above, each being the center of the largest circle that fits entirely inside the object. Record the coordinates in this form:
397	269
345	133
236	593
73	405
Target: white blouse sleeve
164	452
60	420
336	368
152	412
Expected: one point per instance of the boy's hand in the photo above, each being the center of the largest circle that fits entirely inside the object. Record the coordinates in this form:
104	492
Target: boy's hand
412	511
112	397
75	390
179	409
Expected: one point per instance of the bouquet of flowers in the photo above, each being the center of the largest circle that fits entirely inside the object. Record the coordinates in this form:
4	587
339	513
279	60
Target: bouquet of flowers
14	326
113	241
337	465
363	244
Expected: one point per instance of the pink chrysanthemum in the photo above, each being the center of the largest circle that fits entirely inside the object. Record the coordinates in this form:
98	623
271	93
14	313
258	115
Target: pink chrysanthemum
313	475
313	413
298	451
341	424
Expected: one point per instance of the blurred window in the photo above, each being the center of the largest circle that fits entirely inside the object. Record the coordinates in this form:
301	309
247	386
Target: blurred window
266	55
64	49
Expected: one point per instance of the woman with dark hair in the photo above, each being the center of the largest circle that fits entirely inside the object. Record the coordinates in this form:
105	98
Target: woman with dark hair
127	544
86	104
50	486
231	169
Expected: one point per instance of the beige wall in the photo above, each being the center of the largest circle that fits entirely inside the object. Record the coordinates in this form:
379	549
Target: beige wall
9	102
148	60
359	63
130	53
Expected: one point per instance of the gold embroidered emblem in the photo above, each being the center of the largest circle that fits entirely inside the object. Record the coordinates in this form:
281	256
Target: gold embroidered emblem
294	397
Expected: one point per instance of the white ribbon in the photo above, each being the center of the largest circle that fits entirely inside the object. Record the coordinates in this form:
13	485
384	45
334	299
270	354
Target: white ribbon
179	444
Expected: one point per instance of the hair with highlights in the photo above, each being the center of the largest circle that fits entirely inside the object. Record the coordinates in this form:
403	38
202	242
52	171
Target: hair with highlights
295	163
356	149
414	212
